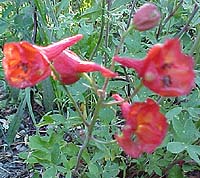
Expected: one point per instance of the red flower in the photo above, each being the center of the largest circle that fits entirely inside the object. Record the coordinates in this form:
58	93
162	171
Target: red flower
69	67
146	17
145	122
25	64
165	70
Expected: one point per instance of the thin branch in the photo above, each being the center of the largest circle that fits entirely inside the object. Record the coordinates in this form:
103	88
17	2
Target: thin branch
109	3
99	103
111	103
104	142
89	132
76	106
131	13
162	24
35	25
101	31
124	48
196	43
117	49
184	29
107	23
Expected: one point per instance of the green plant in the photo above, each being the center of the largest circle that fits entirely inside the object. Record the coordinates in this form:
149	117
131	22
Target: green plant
74	135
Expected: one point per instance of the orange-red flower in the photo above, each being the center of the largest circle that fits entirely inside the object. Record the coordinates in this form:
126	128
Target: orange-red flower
69	67
25	64
144	122
165	70
146	17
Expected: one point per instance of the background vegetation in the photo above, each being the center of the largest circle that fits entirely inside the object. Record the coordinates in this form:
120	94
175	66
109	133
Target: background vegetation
40	126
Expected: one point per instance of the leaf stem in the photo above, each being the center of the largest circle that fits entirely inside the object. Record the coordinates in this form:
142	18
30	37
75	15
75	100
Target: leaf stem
103	142
75	105
111	103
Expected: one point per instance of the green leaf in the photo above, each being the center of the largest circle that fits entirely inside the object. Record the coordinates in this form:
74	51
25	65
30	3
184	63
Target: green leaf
69	174
118	3
3	26
15	122
62	6
78	88
50	173
32	160
178	125
41	156
70	149
98	156
93	169
42	9
23	155
92	12
72	162
46	120
61	169
111	170
157	170
86	156
48	94
194	152
106	115
191	133
55	154
175	172
28	101
176	147
35	142
173	112
194	112
58	118
36	174
116	85
14	93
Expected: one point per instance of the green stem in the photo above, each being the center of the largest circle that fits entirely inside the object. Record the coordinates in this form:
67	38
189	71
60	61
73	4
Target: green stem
69	95
117	49
111	103
89	79
101	31
108	25
196	43
89	132
184	29
101	95
75	105
162	24
103	142
83	147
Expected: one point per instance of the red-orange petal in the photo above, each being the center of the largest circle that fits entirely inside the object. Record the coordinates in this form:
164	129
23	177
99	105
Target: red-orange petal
24	66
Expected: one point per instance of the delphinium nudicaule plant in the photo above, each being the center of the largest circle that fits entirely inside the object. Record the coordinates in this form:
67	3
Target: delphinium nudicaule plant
165	70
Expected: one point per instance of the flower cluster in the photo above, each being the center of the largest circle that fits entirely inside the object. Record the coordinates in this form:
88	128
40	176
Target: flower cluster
25	64
144	121
165	70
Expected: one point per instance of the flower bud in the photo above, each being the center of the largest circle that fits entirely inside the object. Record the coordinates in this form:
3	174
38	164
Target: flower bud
146	17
